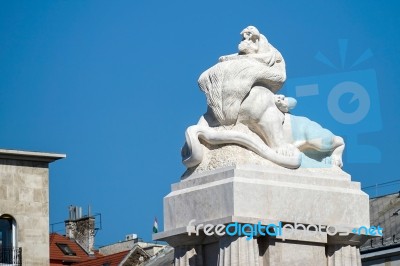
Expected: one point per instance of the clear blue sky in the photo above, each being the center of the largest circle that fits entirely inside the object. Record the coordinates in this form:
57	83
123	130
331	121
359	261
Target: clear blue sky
113	84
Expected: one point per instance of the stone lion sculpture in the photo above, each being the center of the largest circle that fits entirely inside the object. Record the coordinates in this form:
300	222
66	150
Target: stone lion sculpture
240	90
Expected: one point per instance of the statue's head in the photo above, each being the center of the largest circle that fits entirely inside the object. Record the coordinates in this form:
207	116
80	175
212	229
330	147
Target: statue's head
285	104
250	40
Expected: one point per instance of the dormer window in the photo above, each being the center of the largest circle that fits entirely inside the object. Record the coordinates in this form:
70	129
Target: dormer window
66	249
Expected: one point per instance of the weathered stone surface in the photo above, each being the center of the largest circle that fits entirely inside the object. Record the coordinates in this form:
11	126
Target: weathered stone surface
252	194
265	194
24	195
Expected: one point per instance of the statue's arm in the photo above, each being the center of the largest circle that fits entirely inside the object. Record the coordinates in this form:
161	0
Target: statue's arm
228	57
266	58
270	57
277	56
263	58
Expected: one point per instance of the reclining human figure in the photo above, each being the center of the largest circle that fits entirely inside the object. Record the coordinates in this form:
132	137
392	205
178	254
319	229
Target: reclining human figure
308	136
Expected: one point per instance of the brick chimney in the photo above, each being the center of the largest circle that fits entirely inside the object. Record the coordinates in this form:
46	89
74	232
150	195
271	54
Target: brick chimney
81	229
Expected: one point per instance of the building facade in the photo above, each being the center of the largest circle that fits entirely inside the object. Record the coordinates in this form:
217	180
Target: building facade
24	207
384	250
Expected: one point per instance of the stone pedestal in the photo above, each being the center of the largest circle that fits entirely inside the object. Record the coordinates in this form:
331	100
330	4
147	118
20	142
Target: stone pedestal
249	194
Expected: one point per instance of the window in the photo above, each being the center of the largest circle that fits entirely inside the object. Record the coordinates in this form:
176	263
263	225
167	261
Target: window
9	254
7	231
65	249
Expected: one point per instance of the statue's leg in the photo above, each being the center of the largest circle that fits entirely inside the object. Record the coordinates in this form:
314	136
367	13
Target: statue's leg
333	144
323	140
337	153
259	112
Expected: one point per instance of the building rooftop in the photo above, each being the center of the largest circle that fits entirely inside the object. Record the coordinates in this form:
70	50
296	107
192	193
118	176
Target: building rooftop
109	260
385	212
65	250
30	155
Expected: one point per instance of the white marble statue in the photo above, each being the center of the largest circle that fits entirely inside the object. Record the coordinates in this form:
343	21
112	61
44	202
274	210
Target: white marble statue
308	136
251	161
240	91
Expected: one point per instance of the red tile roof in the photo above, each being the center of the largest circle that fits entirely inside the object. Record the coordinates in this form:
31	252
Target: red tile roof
57	257
112	260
